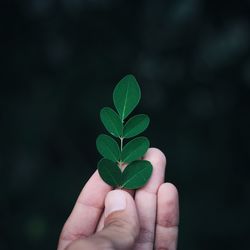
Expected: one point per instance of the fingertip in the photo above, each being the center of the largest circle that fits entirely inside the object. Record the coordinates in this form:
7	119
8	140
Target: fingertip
120	201
168	205
119	193
157	156
169	190
158	161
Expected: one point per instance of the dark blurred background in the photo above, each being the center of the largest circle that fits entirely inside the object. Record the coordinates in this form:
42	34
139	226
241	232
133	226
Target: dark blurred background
60	62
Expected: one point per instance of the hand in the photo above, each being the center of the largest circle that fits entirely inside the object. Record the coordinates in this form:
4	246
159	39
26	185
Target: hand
105	219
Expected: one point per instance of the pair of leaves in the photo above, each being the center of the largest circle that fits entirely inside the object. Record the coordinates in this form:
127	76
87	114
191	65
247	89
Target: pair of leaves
133	150
112	122
135	175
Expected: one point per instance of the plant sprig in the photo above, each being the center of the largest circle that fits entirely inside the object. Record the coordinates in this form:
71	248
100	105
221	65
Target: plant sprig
126	97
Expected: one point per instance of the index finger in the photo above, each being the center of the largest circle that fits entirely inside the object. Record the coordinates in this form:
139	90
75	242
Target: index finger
86	213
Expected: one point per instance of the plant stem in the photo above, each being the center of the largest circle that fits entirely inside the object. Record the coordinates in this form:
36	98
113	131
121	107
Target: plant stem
121	146
121	143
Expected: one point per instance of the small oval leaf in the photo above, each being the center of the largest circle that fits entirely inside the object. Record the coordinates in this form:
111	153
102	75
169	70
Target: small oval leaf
135	125
136	174
111	121
108	147
109	172
126	96
134	149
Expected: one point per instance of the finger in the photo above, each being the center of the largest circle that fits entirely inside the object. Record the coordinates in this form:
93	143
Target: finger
86	213
146	199
100	225
121	225
167	217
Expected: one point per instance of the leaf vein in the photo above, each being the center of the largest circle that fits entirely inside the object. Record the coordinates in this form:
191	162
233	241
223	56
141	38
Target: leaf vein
125	102
134	176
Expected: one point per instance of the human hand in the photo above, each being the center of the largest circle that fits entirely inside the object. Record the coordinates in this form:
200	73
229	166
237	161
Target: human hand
114	220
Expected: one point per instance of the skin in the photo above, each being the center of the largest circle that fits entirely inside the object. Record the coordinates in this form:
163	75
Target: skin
103	218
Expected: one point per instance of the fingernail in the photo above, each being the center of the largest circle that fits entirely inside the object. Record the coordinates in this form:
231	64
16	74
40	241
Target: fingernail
115	201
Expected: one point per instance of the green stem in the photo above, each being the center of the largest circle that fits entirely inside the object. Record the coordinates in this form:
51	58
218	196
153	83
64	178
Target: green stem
121	143
121	146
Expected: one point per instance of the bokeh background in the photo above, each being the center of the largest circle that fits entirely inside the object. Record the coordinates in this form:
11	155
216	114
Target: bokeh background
60	62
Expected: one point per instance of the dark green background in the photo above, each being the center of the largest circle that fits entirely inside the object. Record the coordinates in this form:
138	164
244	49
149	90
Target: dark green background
60	63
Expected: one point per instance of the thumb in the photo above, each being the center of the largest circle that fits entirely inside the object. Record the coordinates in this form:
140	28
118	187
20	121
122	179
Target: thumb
121	225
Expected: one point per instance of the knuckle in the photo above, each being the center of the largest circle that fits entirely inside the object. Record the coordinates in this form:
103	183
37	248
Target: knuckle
145	236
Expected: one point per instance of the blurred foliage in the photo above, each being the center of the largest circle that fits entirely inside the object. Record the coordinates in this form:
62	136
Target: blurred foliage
61	60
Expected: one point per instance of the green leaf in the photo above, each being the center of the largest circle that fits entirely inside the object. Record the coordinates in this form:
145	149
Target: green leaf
110	172
136	174
111	121
108	147
134	149
126	96
135	125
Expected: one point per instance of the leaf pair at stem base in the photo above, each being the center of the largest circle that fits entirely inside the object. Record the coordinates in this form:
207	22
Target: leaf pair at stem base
135	175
